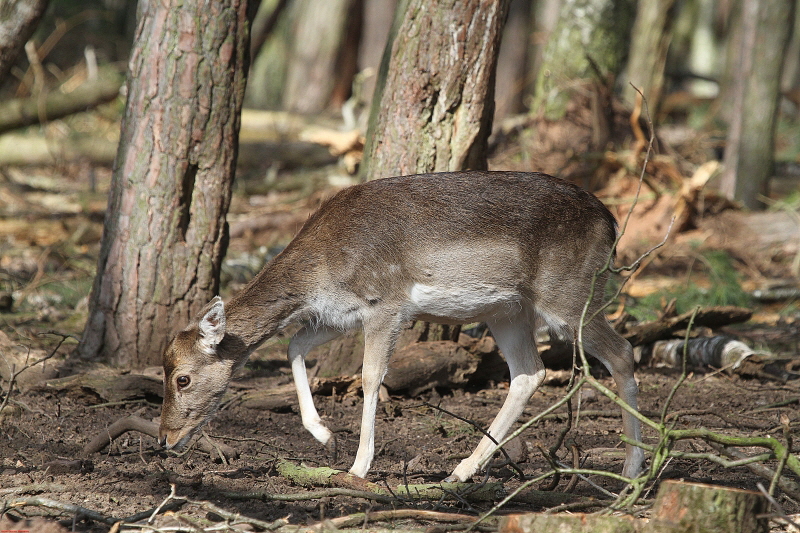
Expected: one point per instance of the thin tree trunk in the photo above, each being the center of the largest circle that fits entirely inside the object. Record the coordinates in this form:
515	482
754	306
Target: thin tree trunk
650	38
323	56
435	100
18	21
165	232
590	35
755	93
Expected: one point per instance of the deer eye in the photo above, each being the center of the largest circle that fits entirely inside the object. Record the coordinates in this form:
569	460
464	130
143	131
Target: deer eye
183	381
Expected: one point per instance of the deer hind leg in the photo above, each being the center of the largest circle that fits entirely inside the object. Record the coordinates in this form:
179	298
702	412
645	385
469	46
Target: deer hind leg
379	341
515	338
600	340
303	342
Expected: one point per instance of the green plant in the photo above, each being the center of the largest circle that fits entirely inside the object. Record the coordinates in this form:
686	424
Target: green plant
723	287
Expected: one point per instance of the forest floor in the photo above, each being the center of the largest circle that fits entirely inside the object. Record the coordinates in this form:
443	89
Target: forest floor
50	234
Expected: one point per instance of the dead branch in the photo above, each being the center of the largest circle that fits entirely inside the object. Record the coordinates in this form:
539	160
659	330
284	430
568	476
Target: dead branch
20	112
65	508
788	486
710	317
328	477
359	519
135	423
310	495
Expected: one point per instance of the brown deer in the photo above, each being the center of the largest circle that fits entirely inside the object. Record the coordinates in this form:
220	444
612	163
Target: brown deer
510	249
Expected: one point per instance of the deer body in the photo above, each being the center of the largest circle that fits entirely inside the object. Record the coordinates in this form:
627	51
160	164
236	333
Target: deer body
509	249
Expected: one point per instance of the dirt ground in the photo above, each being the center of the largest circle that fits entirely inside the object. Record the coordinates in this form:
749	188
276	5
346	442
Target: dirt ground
414	443
42	433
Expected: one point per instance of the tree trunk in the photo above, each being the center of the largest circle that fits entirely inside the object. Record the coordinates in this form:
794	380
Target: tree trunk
512	61
435	100
271	61
323	56
18	21
308	61
378	16
755	93
165	232
588	32
650	38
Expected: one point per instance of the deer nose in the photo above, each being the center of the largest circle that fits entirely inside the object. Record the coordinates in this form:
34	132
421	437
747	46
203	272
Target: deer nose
162	439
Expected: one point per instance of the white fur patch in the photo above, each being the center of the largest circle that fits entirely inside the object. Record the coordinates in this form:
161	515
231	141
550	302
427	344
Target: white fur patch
336	311
462	303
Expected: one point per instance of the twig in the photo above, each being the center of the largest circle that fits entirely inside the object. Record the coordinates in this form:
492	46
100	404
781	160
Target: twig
477	426
781	513
15	374
394	514
786	485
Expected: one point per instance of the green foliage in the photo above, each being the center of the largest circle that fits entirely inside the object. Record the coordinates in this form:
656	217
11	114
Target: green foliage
723	288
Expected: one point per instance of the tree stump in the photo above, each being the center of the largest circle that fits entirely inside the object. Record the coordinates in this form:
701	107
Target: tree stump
697	507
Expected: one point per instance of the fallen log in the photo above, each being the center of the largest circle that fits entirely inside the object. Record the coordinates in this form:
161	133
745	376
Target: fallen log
329	477
36	149
710	317
20	112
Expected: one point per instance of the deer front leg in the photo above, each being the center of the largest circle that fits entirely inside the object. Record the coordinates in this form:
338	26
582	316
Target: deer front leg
379	341
303	342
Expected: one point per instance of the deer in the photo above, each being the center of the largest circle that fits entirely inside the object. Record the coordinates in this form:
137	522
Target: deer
511	249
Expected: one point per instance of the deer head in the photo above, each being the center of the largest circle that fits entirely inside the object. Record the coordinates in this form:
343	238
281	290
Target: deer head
195	377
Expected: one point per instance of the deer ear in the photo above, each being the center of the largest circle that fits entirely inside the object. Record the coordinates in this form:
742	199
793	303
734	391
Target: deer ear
212	325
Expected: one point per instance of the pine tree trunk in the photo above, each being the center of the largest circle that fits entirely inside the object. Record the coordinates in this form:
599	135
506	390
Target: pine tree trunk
755	93
165	232
435	100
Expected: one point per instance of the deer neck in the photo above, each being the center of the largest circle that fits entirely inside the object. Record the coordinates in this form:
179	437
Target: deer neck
276	297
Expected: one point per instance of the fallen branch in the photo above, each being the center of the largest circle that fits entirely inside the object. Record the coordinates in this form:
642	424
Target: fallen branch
20	112
66	508
711	317
135	423
328	477
362	519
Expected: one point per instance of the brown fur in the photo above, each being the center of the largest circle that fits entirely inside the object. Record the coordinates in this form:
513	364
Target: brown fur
504	247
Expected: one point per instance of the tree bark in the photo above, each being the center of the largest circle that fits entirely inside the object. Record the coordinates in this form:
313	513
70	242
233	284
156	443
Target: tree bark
588	32
650	38
687	507
18	21
750	148
435	100
165	233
